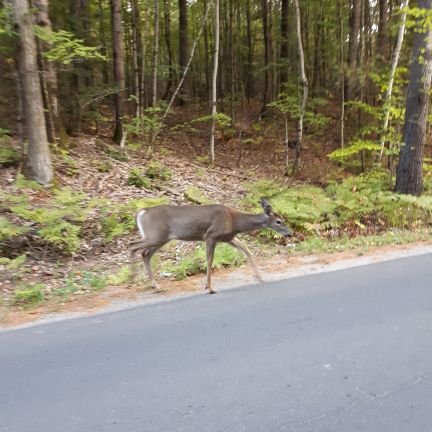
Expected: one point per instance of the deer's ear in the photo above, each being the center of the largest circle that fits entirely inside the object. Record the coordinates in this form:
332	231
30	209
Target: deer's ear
266	206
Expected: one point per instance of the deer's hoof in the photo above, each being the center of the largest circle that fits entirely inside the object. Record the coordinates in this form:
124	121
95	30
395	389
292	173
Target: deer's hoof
212	292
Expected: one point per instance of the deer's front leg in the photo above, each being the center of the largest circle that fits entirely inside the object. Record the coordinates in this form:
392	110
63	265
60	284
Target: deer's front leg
210	248
240	247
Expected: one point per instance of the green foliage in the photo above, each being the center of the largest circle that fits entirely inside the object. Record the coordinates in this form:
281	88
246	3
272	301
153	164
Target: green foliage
195	262
29	295
196	195
22	183
8	230
204	160
288	104
354	148
58	221
65	47
122	276
138	179
156	170
149	124
81	282
13	263
12	268
315	244
153	171
222	120
8	155
358	200
120	219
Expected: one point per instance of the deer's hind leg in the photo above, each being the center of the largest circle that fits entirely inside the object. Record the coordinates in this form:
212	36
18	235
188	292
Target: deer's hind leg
147	254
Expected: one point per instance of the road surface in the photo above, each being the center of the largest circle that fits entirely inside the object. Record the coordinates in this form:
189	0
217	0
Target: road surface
343	351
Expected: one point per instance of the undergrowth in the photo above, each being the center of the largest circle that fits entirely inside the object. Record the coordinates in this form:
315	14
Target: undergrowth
358	205
195	262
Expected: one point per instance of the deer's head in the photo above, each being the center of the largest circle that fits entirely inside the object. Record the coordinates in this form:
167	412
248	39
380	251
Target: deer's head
275	221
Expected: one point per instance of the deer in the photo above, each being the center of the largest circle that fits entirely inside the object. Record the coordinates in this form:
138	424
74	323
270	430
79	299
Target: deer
213	224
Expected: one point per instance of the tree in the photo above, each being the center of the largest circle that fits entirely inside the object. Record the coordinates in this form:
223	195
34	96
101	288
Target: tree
353	49
38	161
409	175
304	83
183	47
267	54
48	72
155	53
119	71
394	64
283	75
214	82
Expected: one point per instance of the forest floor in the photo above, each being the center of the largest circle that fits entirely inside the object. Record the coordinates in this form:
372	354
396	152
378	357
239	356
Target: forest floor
91	164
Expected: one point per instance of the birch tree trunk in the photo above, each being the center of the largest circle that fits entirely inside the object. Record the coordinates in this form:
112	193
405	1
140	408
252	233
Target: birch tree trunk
304	83
38	161
214	81
409	175
395	61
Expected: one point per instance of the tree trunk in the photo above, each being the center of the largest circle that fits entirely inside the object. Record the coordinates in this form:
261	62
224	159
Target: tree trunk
140	55
135	59
342	74
183	49
283	75
214	82
409	176
250	84
48	73
382	36
304	83
103	41
396	55
353	49
266	91
167	21
38	161
119	72
155	53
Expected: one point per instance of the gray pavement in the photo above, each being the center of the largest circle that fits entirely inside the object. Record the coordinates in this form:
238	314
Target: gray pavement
349	350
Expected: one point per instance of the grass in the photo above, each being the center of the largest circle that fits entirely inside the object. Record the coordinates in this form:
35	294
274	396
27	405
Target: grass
195	262
364	243
29	296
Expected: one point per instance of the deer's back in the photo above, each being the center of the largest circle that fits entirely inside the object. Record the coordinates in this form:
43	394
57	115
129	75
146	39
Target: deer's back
164	223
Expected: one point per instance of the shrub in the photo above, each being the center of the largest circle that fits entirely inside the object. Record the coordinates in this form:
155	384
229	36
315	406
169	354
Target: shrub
29	295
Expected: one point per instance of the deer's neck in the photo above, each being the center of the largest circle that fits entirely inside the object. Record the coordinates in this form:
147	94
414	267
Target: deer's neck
243	222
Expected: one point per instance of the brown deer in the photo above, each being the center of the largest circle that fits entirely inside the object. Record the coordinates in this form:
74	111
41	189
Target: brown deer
210	223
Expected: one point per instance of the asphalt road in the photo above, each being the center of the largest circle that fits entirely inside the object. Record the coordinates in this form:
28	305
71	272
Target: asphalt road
344	351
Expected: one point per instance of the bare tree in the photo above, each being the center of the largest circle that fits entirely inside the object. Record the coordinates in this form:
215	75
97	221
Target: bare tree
409	175
38	161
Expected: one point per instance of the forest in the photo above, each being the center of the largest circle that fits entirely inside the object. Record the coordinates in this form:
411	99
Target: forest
110	106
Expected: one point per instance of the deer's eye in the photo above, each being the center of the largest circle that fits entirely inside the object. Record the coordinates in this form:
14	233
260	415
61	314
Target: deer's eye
278	222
